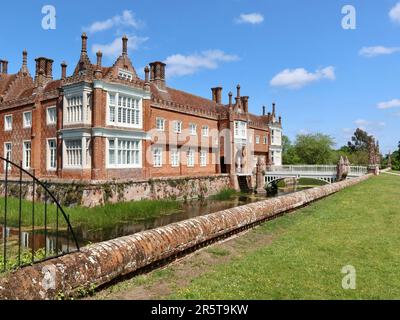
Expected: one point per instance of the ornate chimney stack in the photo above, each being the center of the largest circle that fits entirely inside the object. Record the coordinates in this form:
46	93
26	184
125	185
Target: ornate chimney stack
230	99
217	94
44	71
99	56
84	43
24	68
274	109
4	66
280	120
157	74
124	45
263	110
238	91
245	103
63	70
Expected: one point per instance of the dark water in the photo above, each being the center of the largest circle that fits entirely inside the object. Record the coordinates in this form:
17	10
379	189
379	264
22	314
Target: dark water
86	235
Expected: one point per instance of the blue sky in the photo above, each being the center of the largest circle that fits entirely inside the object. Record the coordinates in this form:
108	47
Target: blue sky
322	77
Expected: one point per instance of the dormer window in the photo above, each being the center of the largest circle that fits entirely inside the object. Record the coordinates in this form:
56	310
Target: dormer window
125	75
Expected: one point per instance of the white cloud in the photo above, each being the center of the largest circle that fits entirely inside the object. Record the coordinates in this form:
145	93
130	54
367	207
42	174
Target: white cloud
181	65
389	104
371	52
367	125
394	13
251	18
298	78
114	49
127	19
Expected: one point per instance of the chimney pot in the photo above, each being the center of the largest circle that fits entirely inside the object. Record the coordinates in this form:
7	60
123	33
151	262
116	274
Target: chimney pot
274	108
263	110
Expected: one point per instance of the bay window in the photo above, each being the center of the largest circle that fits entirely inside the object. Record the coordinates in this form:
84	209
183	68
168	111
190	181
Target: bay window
125	111
240	129
73	153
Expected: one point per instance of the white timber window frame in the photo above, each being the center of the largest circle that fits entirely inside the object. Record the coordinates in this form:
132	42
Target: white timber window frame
175	158
7	154
8	122
203	158
192	129
157	157
51	162
160	124
26	154
124	153
51	116
240	129
205	131
124	110
177	126
27	119
190	158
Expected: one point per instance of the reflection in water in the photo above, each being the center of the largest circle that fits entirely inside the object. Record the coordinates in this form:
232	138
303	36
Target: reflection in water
86	235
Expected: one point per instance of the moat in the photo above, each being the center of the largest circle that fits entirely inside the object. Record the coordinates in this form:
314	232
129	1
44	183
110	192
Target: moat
87	234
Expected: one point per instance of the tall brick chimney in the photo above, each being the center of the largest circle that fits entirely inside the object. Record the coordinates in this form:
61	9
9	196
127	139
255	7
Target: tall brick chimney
63	70
245	103
217	94
124	45
84	43
263	110
230	98
157	74
4	66
44	71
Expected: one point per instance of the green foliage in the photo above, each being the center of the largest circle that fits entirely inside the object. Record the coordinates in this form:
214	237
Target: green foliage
104	216
225	194
359	141
314	149
289	152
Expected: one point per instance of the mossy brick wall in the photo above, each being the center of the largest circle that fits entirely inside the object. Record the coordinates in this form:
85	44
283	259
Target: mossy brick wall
77	193
101	263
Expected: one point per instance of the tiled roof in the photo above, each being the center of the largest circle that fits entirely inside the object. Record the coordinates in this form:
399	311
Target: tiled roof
187	99
5	81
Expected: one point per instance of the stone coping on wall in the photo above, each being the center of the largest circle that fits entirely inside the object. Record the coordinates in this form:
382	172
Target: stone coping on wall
100	263
112	181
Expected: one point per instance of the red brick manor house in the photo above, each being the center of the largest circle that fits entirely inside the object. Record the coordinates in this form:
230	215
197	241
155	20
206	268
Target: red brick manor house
105	123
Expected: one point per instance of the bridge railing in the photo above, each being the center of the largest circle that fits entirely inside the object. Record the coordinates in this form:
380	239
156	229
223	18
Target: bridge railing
317	169
358	170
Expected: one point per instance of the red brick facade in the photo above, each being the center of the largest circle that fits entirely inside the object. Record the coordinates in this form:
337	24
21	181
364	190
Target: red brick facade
105	123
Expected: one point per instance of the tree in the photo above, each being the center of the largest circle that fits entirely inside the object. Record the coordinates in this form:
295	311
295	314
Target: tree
359	141
289	155
314	148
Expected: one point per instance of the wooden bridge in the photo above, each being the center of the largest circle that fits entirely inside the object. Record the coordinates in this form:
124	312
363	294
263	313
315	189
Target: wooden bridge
327	173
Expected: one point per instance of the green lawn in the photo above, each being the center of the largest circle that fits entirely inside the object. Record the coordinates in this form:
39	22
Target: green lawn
358	226
394	171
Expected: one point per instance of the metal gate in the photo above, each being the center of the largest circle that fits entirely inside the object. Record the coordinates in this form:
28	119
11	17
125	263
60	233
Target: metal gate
32	221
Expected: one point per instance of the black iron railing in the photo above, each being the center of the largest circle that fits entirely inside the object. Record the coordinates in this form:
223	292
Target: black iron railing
34	227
